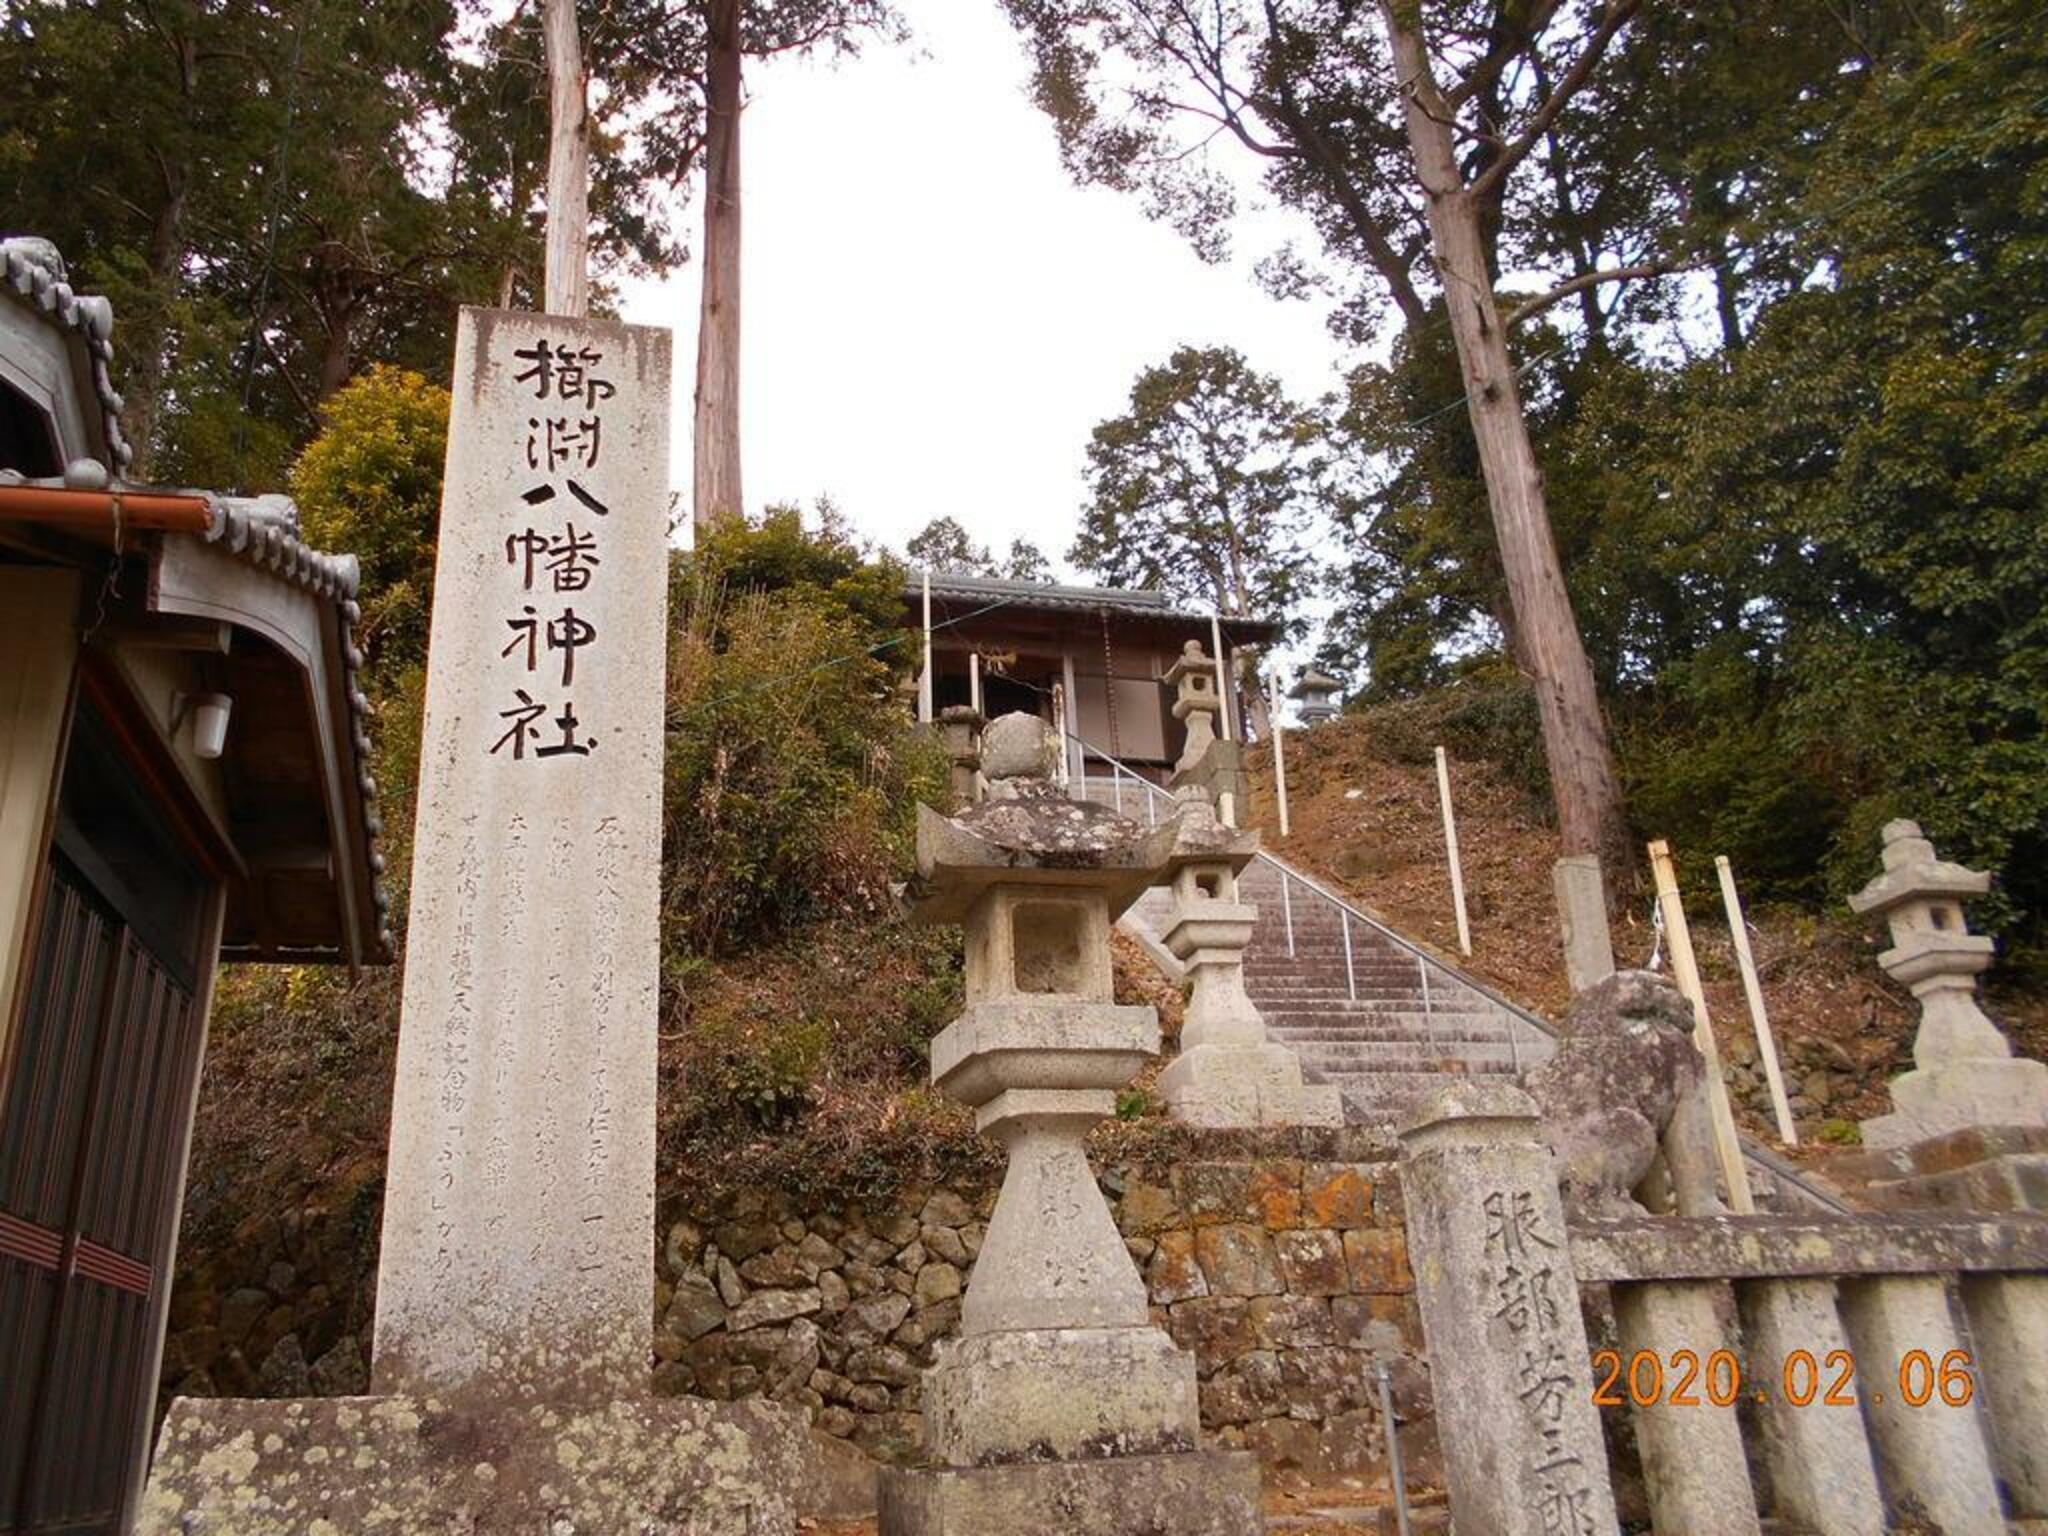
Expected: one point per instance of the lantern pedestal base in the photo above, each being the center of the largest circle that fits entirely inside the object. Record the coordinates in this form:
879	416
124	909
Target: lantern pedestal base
1195	1493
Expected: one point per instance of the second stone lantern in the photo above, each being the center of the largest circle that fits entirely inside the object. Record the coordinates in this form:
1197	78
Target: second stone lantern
1060	1406
1228	1073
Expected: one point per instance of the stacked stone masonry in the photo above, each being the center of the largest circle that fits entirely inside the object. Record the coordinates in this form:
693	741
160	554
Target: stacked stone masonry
1284	1271
1285	1276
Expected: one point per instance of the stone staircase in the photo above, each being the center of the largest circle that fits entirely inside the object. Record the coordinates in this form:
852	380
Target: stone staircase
1389	1022
1385	1023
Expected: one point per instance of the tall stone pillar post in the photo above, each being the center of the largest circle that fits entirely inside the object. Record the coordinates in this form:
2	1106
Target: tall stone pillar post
1818	1454
1523	1453
1932	1458
1060	1406
1582	914
512	1363
1228	1073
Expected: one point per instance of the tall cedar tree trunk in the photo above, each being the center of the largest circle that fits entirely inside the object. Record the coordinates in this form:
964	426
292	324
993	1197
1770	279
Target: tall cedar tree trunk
1574	734
145	380
145	383
716	481
567	284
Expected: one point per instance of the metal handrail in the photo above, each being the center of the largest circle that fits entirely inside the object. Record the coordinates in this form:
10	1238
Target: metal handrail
1288	872
1754	1151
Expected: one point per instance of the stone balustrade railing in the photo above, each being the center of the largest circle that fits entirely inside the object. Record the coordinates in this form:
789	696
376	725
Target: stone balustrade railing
1852	1375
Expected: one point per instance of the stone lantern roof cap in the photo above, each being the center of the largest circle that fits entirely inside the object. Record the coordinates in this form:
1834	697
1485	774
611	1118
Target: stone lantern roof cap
1312	681
1192	658
1033	838
1028	832
1913	872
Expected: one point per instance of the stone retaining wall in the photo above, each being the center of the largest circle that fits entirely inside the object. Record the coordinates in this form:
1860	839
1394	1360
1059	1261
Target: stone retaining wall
1287	1276
1278	1258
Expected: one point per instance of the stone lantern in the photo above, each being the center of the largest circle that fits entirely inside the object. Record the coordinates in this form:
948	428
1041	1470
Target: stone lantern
1228	1072
1193	678
1964	1073
1060	1406
1316	693
1209	764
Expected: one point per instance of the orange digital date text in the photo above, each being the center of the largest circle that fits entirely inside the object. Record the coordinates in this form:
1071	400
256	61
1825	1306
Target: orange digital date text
1682	1379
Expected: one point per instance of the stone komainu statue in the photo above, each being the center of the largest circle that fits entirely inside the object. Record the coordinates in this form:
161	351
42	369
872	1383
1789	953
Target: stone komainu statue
1624	1102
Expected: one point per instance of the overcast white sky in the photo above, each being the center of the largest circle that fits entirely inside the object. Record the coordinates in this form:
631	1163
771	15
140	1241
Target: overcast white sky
935	316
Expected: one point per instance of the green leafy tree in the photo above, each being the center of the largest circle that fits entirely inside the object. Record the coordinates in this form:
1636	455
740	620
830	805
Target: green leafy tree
1026	562
1207	488
370	485
943	545
793	769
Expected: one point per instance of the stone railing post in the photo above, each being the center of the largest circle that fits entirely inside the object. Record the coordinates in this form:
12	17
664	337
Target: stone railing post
1522	1446
1818	1455
1931	1456
1693	1464
2009	1325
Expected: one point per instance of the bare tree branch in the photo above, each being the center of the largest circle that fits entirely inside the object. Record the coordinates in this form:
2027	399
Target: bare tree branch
1568	86
1513	39
1596	278
1397	273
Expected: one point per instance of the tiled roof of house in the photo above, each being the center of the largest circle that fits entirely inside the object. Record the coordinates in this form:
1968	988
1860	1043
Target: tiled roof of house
32	269
262	531
1143	602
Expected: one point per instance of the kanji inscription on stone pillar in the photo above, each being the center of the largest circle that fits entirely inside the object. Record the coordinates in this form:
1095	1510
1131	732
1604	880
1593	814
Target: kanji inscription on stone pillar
519	1211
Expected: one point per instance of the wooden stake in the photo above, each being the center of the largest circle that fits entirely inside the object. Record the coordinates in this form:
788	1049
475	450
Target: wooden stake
1279	755
924	681
1727	1144
1752	989
1443	790
567	282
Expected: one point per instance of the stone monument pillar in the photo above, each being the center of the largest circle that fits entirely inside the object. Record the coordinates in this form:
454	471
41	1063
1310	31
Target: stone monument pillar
1508	1360
514	1312
1964	1072
1207	762
1228	1073
1060	1407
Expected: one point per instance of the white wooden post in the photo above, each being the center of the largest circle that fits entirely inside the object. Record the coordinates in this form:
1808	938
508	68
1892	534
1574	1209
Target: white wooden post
924	681
1443	790
1071	750
1059	729
1223	710
1685	967
1752	989
974	680
1279	756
